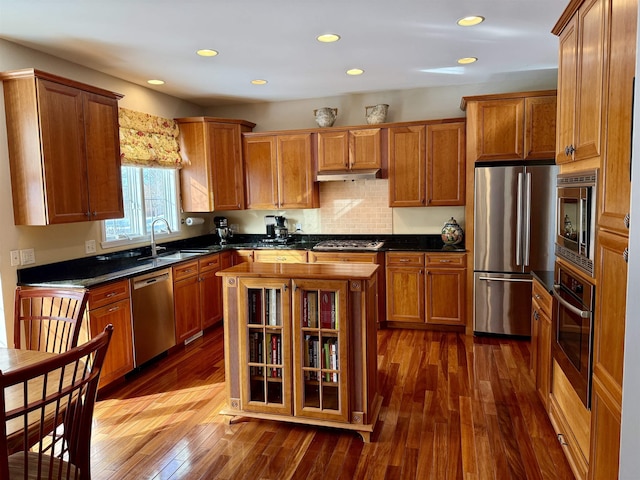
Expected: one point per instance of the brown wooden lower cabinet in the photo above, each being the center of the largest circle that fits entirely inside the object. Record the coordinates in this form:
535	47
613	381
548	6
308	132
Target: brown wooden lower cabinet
186	300
301	344
541	311
111	304
425	288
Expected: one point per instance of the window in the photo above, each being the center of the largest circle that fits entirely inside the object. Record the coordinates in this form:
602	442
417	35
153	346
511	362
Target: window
148	193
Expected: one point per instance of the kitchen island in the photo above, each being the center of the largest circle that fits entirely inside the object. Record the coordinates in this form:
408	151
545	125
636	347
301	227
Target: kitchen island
301	344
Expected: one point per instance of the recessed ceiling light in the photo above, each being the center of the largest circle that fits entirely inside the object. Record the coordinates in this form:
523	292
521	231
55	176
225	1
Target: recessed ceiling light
467	60
259	81
355	71
470	21
155	82
205	52
328	38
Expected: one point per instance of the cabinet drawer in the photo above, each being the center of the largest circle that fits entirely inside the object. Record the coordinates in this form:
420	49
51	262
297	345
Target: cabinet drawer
280	256
446	260
331	257
210	262
405	258
185	270
109	293
542	298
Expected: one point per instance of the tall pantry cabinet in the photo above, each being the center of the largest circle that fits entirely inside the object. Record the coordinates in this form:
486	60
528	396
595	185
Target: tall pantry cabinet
602	34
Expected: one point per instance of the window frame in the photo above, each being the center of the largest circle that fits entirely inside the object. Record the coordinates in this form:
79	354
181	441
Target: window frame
137	176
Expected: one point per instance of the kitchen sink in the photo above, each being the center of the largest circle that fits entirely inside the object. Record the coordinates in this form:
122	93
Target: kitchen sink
173	256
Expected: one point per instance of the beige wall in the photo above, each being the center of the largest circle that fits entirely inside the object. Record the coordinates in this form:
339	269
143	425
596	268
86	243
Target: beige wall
371	215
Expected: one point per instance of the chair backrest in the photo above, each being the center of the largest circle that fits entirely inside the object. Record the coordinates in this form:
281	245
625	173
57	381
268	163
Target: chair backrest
48	319
48	435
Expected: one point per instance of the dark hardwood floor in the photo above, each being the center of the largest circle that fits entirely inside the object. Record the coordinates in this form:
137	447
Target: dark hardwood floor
454	407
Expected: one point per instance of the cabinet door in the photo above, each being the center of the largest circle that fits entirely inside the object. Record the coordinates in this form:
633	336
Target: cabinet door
280	256
261	172
63	149
616	178
241	256
445	300
500	132
589	83
333	150
226	157
186	302
210	296
567	77
296	186
543	372
407	163
265	336
446	164
540	129
365	149
119	359
405	294
103	157
320	345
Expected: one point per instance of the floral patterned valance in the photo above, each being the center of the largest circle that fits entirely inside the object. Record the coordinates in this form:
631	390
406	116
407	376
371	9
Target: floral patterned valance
147	140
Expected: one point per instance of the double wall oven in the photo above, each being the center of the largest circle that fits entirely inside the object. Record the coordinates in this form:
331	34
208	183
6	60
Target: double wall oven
572	345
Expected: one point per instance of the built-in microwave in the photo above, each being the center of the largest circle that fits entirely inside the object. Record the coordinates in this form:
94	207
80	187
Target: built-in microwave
576	218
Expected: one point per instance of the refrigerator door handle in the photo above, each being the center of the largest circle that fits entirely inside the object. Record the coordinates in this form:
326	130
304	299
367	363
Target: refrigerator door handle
499	279
527	221
519	221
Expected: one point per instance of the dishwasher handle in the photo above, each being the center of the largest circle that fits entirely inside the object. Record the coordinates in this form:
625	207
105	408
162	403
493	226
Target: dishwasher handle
145	282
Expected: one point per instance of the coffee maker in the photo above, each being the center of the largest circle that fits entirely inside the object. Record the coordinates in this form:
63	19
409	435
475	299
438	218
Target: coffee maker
222	229
280	230
277	231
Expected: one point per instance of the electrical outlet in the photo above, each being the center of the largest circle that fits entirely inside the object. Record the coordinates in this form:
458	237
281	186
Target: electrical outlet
90	246
27	256
15	258
298	227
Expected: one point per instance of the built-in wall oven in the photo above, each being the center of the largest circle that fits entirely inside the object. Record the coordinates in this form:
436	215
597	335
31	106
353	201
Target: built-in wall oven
575	218
572	344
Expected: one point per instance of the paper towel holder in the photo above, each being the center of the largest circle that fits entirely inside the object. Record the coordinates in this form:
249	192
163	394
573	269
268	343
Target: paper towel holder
191	221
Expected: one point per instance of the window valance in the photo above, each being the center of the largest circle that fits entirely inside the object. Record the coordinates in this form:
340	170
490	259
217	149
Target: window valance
148	140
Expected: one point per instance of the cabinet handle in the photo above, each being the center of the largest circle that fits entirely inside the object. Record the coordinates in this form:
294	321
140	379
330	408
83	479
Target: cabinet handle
113	309
445	261
284	287
569	150
404	259
111	294
536	315
421	272
625	254
189	270
95	214
87	214
627	220
281	259
537	297
561	439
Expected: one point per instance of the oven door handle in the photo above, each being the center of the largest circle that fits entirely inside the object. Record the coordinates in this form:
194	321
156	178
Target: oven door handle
567	305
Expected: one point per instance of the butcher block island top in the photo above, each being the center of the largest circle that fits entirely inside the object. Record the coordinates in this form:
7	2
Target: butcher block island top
301	344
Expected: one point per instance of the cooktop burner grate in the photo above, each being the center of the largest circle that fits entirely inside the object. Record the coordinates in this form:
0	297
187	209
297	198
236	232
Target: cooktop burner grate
349	245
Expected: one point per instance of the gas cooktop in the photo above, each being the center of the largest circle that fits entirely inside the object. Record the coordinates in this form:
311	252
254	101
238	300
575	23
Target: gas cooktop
349	245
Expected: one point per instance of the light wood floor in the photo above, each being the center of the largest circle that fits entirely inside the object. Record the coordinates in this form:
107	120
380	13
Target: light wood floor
454	407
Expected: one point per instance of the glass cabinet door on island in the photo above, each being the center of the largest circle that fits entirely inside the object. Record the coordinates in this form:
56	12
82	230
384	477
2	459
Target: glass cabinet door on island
266	377
320	333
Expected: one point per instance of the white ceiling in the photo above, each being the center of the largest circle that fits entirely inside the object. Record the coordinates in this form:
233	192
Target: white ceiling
400	44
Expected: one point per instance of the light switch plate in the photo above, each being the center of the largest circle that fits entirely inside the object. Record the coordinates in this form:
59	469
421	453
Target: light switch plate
27	256
15	258
90	246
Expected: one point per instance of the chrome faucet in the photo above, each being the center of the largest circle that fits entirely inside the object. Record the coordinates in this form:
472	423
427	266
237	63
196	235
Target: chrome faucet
154	248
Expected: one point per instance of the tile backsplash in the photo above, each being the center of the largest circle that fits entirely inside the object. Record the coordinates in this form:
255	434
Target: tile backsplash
360	206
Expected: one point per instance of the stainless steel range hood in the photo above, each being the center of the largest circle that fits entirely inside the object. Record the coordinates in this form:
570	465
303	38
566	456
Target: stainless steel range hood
350	175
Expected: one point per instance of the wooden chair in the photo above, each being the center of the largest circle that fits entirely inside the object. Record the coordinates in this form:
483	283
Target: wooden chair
60	390
48	319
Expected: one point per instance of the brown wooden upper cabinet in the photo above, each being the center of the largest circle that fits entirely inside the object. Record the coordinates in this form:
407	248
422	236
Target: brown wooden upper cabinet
580	82
343	150
212	177
64	149
512	126
427	164
279	171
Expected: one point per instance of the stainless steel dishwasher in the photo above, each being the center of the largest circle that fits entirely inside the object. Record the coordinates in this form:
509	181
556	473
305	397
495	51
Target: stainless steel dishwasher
153	323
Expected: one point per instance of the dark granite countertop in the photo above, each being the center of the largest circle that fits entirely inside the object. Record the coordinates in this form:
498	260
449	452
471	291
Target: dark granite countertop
92	271
546	278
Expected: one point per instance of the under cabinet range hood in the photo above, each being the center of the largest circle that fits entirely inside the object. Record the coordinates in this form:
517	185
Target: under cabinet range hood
343	175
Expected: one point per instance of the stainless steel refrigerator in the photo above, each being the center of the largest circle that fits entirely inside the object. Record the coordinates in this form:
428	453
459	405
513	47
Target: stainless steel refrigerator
513	234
